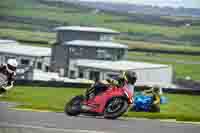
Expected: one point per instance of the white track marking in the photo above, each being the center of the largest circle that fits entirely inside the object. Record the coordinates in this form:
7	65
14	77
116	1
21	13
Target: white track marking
9	125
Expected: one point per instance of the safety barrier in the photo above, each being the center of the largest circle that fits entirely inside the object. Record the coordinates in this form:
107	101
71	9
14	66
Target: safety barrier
51	84
164	51
59	84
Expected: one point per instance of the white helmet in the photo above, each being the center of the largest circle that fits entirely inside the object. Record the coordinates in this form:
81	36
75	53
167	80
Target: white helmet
12	65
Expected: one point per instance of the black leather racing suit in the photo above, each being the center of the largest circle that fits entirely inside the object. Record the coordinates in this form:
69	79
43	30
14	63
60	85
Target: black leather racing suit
10	77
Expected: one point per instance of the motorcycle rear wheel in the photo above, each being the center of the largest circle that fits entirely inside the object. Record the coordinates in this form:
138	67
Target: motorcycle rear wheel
73	107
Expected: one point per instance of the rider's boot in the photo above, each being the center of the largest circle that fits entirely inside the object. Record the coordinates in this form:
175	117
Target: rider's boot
2	91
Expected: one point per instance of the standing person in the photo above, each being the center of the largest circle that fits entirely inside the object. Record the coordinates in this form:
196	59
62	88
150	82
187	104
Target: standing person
9	71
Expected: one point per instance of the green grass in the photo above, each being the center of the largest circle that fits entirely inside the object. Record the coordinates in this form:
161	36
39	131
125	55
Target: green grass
148	29
178	57
69	14
158	46
27	35
37	44
70	18
41	97
180	18
22	26
174	116
181	70
180	107
72	15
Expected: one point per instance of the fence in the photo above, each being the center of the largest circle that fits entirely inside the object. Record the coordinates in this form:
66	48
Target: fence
195	85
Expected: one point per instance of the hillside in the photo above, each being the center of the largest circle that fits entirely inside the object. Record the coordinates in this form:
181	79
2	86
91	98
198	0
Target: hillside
139	8
40	17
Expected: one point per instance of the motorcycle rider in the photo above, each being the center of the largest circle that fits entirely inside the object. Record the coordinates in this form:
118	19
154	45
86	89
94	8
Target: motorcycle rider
154	92
126	78
8	70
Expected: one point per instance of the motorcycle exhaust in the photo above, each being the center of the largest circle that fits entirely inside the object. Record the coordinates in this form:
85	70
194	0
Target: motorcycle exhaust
86	107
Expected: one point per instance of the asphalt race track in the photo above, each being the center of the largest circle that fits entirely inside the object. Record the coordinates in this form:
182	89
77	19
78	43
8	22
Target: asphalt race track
13	121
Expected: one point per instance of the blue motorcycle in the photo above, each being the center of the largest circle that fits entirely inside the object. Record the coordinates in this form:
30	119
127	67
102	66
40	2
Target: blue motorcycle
142	103
145	103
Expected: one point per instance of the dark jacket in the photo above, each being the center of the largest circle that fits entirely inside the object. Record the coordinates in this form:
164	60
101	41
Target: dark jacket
10	76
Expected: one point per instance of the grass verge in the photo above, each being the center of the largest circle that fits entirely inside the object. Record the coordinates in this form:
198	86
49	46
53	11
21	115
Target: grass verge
179	107
177	117
42	98
23	35
159	46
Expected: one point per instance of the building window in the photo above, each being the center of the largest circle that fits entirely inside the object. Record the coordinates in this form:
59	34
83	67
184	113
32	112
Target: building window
9	57
81	75
39	65
72	50
72	74
25	61
104	54
112	75
120	54
94	75
1	59
106	37
100	53
46	68
76	51
108	56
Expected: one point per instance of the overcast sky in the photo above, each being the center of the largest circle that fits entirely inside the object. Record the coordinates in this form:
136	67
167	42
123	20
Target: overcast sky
173	3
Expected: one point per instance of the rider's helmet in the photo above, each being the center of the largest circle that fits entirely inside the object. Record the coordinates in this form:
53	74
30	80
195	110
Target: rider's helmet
11	65
130	77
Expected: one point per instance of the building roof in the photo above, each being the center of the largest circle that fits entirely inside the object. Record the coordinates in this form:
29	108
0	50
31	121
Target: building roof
7	42
101	44
26	50
87	29
117	65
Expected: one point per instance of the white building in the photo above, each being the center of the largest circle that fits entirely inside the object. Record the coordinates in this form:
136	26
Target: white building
148	74
28	57
80	52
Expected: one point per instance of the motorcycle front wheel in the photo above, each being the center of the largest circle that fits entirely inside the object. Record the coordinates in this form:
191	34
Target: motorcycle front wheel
115	108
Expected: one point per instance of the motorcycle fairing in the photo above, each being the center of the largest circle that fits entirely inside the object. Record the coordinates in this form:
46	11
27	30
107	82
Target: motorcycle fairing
98	103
